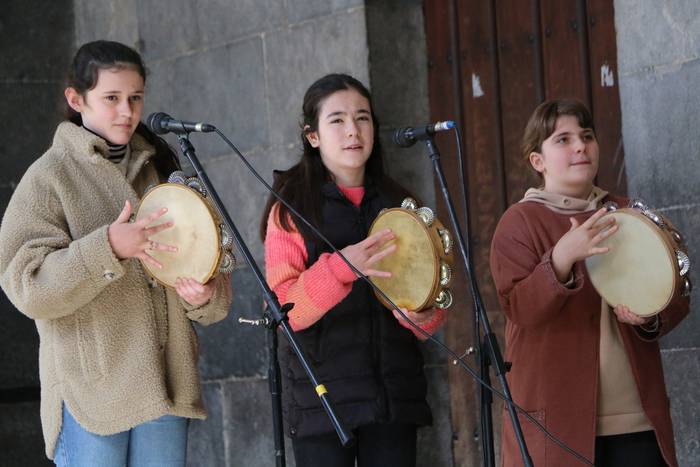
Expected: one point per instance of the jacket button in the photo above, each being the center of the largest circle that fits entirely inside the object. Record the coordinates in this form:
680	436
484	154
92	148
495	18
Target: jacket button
109	275
293	431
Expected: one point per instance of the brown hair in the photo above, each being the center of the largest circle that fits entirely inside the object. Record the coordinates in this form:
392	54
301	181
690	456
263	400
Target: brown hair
543	120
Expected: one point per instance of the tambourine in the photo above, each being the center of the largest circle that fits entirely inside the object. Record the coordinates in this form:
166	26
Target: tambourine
203	242
421	266
647	265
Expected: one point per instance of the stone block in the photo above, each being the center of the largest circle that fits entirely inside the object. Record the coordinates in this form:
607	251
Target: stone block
435	442
682	371
660	111
223	86
397	43
397	46
115	20
185	27
432	354
243	195
20	428
412	168
205	443
6	190
19	345
229	348
653	34
300	10
34	49
248	424
22	117
685	335
297	56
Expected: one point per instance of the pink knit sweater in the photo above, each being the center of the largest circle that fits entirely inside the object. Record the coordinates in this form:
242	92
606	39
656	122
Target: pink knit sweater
314	291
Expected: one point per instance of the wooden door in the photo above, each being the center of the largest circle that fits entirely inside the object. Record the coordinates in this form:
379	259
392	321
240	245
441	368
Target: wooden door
491	62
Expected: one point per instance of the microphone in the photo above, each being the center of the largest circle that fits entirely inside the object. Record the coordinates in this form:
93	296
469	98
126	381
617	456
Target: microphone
161	123
406	137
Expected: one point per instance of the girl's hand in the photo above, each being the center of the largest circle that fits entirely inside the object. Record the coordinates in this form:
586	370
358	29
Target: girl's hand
625	315
580	243
418	318
131	239
193	292
366	253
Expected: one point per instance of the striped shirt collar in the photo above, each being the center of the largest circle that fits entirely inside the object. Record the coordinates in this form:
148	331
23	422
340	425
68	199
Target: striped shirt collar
116	152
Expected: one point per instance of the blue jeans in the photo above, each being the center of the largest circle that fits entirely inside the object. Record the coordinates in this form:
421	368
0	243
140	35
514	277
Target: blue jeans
159	443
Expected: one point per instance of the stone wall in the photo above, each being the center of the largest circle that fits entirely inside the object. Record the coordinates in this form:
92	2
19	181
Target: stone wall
659	70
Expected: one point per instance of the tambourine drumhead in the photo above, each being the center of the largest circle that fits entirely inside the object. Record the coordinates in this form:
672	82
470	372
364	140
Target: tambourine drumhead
639	270
194	233
414	266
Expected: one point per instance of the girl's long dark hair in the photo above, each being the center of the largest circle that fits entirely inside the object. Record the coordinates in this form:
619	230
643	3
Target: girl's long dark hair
300	185
105	55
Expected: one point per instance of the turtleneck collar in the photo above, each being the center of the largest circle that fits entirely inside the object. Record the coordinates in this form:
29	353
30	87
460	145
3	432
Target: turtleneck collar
565	204
115	152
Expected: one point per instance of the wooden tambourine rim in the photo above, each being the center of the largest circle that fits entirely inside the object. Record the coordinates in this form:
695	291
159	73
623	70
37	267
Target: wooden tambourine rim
437	247
215	221
668	246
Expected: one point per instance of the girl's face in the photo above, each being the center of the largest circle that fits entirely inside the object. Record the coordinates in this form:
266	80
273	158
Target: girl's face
569	158
345	135
113	107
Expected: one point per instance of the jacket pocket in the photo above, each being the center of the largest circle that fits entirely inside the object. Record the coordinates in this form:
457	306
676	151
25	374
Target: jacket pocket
71	348
534	438
89	347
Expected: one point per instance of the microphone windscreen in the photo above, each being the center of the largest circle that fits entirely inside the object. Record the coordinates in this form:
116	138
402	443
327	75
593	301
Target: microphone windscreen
154	122
403	138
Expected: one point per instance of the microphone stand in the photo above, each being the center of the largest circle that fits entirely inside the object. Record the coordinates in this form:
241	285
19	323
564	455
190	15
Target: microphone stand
275	317
494	354
274	378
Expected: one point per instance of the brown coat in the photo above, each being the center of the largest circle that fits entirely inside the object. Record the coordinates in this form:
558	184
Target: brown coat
552	339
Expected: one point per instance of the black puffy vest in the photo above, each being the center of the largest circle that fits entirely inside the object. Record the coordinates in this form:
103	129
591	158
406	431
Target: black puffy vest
370	364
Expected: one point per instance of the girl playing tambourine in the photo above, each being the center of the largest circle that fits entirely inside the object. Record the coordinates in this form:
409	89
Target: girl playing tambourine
590	374
366	356
118	353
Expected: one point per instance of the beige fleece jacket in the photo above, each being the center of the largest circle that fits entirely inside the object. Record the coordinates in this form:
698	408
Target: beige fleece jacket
115	347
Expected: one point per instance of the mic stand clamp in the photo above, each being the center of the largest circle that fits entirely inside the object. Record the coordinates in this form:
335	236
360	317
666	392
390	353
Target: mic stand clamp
265	321
494	354
276	317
